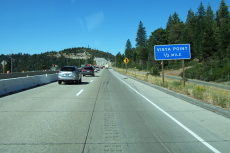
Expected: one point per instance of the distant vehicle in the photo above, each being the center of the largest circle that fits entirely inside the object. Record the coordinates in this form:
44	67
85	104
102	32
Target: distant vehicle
80	69
88	70
106	66
69	74
96	69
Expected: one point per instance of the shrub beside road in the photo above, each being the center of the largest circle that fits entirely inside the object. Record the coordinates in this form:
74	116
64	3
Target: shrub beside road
209	94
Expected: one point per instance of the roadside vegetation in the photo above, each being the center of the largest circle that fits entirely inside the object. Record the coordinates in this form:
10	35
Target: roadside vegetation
207	33
52	59
206	30
211	95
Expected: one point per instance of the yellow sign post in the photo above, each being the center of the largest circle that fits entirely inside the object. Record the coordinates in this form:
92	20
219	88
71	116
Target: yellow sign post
126	61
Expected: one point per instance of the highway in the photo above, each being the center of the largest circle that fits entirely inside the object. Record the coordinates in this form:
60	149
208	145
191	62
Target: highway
107	113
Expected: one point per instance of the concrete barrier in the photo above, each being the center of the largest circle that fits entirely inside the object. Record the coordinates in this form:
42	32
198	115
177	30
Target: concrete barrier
8	86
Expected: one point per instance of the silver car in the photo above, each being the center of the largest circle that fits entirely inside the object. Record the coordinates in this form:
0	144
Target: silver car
69	74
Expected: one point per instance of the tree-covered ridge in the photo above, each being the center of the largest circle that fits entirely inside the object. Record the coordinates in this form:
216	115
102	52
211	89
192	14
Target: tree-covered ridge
45	61
93	52
208	34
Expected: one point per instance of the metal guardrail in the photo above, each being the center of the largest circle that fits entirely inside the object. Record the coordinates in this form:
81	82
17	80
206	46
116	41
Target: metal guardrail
211	84
204	83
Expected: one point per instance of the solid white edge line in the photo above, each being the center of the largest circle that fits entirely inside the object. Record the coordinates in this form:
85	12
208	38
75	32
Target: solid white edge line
91	81
79	92
176	121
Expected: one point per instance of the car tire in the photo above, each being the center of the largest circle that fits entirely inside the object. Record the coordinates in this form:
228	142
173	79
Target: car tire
59	82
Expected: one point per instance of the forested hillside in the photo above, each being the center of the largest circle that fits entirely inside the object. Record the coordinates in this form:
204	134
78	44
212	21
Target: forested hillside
94	52
207	32
45	61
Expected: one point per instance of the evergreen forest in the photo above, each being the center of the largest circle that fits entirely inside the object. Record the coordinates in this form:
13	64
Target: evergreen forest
208	34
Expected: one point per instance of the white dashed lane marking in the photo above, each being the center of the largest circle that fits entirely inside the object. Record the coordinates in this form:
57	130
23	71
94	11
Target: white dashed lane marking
79	92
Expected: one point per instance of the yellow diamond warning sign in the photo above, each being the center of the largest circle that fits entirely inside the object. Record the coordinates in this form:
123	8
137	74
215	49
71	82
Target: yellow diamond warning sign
126	60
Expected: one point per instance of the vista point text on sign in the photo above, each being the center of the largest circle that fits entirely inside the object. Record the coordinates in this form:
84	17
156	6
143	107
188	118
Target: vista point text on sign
162	49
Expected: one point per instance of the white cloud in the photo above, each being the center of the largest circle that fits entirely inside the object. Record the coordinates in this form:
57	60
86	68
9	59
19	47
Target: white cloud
82	25
94	21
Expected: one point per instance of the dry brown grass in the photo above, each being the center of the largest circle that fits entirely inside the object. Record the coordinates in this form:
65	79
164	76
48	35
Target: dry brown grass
215	96
174	72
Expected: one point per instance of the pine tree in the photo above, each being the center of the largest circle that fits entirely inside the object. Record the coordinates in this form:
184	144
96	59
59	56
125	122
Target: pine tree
208	42
141	35
188	33
173	19
128	50
159	37
119	60
141	50
199	31
190	16
174	29
222	12
175	34
223	39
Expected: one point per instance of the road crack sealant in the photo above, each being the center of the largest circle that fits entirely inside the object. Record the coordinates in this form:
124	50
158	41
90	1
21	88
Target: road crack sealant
111	133
90	122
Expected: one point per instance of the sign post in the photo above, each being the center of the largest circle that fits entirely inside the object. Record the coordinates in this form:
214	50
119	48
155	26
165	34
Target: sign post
172	52
3	65
162	66
183	72
126	61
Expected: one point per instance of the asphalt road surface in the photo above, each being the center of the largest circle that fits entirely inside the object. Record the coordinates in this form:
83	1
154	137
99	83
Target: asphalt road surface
107	113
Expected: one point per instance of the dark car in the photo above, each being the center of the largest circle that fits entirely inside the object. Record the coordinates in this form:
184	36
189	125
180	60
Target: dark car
69	74
88	70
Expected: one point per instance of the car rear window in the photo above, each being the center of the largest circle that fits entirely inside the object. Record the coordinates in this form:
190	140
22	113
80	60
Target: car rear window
88	68
67	69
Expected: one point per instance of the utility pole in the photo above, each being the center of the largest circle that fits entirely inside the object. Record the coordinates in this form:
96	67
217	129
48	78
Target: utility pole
11	64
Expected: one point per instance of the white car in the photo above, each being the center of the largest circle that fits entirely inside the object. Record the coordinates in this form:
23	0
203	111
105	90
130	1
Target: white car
69	74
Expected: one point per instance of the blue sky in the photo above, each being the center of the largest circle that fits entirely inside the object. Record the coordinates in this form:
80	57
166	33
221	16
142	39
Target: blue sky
38	26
